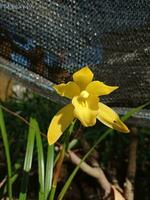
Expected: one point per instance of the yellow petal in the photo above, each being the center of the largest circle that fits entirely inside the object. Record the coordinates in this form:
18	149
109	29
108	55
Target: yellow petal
98	88
86	110
59	123
68	90
110	118
83	77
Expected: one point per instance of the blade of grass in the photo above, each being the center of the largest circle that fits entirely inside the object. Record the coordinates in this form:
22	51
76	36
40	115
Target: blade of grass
133	111
41	166
7	152
101	138
49	170
27	161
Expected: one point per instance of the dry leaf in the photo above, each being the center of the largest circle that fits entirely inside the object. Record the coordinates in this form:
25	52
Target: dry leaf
117	194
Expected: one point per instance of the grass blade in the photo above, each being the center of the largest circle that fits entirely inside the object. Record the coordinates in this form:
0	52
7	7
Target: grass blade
27	161
133	111
7	152
41	166
49	170
101	138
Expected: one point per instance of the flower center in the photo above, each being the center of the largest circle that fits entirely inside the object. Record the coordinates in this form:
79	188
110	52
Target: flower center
84	94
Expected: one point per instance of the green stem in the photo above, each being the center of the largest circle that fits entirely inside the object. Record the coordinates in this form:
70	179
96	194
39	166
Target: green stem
60	160
7	152
52	194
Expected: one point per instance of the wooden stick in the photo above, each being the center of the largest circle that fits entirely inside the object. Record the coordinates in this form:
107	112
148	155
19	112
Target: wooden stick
131	171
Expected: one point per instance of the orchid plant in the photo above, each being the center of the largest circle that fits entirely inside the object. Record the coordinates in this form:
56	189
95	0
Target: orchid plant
85	105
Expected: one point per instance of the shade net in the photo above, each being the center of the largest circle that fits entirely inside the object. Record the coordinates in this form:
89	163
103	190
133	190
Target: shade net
44	42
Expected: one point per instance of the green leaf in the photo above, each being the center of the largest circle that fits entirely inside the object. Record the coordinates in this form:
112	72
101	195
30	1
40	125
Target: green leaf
101	138
41	165
7	152
49	170
27	161
131	112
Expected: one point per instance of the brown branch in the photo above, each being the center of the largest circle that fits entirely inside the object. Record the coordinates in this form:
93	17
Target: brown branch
95	172
131	171
92	161
58	166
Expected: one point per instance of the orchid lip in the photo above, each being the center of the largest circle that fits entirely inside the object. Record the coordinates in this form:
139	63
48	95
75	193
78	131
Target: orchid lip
84	94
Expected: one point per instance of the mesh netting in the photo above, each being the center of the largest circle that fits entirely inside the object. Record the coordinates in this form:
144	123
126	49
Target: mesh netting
54	38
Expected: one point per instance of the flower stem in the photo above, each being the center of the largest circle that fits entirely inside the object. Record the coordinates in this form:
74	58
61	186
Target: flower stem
57	171
59	162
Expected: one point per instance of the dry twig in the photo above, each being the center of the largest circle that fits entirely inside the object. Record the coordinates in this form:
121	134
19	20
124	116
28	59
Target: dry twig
20	117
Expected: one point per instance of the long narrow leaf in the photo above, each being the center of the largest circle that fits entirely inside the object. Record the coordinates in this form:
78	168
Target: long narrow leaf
49	170
67	184
7	152
133	111
41	165
28	161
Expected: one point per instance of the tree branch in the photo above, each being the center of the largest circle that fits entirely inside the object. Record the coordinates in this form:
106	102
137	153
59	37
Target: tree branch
95	172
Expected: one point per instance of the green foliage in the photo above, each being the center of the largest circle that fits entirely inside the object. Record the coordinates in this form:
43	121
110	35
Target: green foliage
7	152
27	161
45	178
49	170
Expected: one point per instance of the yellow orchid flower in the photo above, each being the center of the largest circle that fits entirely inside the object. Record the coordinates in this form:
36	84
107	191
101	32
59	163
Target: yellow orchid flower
85	106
